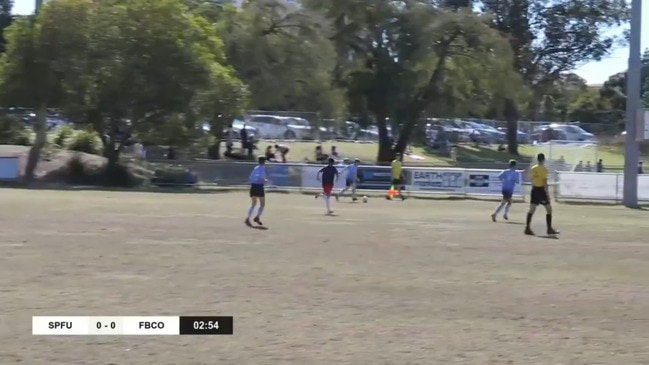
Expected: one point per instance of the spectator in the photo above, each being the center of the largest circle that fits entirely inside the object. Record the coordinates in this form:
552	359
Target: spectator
600	166
171	153
334	152
270	156
229	143
319	156
244	139
579	167
640	170
282	150
138	150
589	167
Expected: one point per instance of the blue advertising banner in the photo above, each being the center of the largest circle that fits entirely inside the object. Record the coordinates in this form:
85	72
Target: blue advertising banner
374	178
284	175
9	168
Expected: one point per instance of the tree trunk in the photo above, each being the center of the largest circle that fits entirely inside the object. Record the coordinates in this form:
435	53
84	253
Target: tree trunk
385	153
39	142
404	134
111	150
214	151
511	115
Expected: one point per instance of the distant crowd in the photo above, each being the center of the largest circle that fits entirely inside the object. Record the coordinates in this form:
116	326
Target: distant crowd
599	167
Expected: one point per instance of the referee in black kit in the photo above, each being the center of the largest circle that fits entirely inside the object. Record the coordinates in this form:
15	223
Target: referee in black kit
206	325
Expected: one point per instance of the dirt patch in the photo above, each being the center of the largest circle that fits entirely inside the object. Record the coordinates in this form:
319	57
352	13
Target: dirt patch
418	282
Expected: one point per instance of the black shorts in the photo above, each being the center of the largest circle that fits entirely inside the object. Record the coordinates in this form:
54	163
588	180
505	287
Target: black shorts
397	182
539	196
257	191
507	195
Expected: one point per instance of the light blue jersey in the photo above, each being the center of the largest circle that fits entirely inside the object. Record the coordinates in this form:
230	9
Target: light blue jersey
258	175
352	170
509	178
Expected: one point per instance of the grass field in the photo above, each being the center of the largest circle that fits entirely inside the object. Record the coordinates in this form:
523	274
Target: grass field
415	282
466	153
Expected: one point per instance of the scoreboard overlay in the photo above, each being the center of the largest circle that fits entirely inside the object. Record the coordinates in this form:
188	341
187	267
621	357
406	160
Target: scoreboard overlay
132	325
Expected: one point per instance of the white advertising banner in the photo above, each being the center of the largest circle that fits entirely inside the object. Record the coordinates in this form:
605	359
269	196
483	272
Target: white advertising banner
437	180
310	177
598	186
589	185
486	182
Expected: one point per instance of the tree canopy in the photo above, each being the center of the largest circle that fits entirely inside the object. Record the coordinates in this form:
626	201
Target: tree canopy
160	69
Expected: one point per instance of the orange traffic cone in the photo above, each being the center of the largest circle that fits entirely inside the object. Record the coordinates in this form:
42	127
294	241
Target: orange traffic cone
391	193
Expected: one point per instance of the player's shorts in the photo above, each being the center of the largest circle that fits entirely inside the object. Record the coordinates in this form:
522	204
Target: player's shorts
257	191
507	195
539	196
326	189
397	182
349	182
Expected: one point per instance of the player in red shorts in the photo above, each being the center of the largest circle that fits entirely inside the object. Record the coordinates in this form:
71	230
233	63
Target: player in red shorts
328	175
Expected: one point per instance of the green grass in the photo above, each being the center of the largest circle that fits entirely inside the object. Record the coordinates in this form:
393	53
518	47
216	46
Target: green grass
466	154
612	155
387	282
366	152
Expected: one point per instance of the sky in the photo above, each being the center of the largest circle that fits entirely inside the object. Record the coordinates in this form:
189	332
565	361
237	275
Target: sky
593	72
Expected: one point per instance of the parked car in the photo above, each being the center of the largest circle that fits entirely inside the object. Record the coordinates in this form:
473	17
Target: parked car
275	127
521	137
485	133
566	132
306	130
237	126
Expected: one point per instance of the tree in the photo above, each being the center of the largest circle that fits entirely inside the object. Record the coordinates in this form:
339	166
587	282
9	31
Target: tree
591	108
564	91
37	62
284	57
5	21
552	38
400	59
134	66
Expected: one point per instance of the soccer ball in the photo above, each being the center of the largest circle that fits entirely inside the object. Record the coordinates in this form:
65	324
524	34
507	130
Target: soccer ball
364	199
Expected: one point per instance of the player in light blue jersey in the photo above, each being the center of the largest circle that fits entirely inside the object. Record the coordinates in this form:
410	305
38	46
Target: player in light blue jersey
350	179
509	178
257	181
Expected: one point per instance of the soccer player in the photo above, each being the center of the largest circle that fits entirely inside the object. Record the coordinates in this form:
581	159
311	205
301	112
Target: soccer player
350	179
509	179
539	196
397	175
257	181
328	175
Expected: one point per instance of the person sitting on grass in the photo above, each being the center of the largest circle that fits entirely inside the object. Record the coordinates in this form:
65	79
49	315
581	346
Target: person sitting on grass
319	156
334	152
282	150
270	156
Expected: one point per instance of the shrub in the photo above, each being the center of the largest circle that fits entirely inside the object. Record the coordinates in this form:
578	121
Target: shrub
63	136
22	138
174	177
76	172
79	172
119	176
87	142
10	128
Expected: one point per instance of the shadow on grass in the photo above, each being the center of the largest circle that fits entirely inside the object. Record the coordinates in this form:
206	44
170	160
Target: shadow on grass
260	228
131	190
547	237
644	207
481	154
